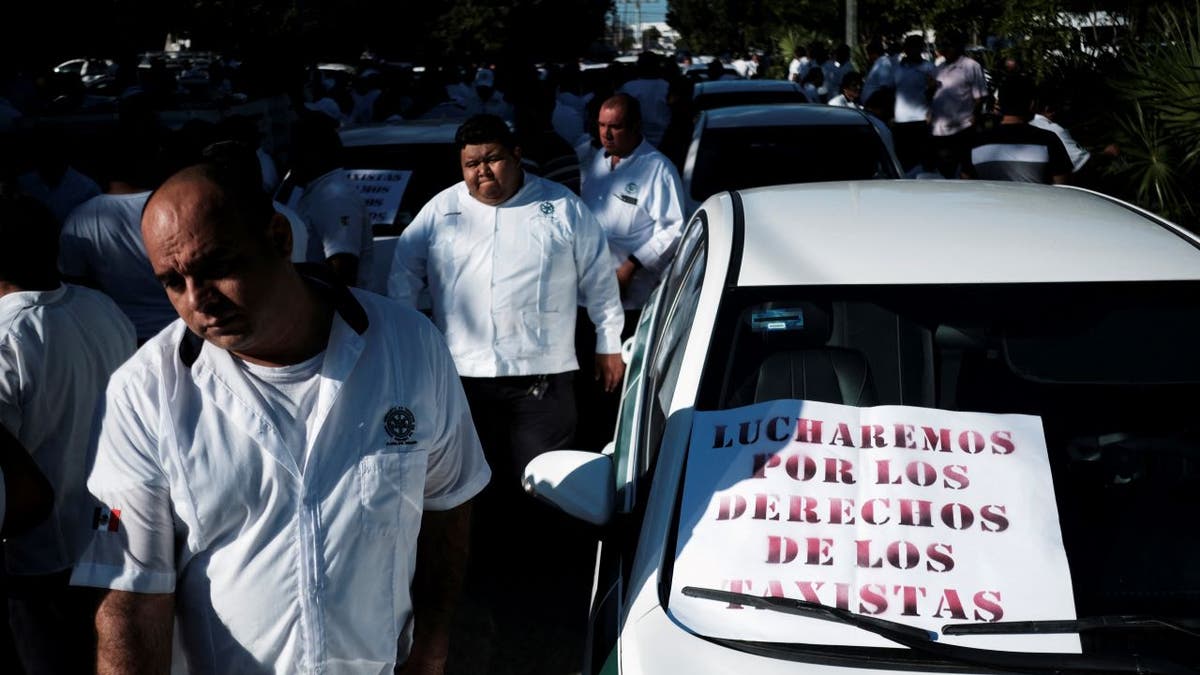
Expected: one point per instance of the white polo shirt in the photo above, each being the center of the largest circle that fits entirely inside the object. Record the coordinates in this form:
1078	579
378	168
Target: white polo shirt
101	241
639	202
911	82
961	84
337	216
278	567
57	351
505	280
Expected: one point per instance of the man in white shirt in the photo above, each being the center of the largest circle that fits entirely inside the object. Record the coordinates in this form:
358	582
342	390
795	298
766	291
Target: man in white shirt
961	88
330	205
879	72
58	346
101	242
652	91
637	196
1048	119
264	465
915	82
506	257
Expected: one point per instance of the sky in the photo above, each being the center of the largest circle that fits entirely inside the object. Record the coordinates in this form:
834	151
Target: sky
652	10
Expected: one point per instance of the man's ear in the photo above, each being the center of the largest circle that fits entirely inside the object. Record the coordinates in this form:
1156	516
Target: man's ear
517	152
279	233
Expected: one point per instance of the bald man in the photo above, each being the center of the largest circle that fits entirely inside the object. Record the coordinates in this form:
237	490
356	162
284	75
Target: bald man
266	462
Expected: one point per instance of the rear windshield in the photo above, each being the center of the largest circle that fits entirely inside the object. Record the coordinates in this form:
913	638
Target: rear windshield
733	159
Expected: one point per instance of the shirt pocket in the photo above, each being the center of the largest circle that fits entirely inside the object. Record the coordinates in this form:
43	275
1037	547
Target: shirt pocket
391	486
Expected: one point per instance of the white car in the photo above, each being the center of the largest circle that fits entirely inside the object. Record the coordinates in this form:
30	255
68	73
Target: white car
951	296
747	146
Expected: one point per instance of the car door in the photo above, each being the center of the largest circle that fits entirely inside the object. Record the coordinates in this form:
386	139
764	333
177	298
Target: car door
655	345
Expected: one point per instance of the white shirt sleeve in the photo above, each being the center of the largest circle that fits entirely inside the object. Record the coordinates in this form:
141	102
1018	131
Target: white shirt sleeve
132	544
666	208
339	222
410	261
10	387
598	290
457	469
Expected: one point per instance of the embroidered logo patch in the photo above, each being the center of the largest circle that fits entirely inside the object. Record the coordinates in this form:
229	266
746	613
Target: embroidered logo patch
400	424
630	188
547	208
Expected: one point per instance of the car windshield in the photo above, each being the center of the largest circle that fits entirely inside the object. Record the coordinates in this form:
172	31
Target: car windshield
745	157
1111	371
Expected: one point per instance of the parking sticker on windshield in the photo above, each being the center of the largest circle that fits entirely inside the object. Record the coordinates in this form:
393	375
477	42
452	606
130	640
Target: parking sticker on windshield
767	320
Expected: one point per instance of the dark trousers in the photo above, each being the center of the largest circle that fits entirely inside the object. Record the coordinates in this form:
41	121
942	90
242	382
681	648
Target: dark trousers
529	575
597	408
912	143
950	152
517	422
53	623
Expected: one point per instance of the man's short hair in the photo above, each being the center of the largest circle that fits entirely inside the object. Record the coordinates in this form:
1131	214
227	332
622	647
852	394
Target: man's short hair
1016	97
240	197
28	239
852	79
482	129
633	109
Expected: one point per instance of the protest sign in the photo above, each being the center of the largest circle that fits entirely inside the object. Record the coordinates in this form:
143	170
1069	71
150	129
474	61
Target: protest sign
921	516
381	190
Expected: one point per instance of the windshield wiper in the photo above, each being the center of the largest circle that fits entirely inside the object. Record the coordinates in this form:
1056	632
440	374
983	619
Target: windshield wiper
882	627
919	639
1187	626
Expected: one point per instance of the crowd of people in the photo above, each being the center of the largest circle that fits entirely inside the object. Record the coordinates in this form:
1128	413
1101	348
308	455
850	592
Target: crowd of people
223	443
244	455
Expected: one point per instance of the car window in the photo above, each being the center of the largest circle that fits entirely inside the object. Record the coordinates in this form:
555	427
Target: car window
725	99
668	353
745	157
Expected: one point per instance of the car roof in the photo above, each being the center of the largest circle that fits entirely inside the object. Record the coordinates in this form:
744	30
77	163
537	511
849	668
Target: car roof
946	232
782	114
412	132
731	86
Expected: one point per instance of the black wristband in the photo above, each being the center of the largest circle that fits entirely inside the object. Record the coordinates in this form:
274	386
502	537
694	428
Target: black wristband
637	264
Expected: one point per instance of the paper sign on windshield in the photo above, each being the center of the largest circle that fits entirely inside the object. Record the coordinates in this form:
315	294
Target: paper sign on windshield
382	190
921	516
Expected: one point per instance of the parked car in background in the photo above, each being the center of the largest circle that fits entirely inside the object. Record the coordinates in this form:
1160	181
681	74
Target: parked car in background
1000	298
723	93
397	169
748	146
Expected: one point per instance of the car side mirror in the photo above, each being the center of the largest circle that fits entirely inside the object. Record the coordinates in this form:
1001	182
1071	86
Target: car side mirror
580	483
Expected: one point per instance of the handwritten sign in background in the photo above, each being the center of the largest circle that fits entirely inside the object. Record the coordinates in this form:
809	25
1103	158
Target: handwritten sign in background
381	190
921	516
